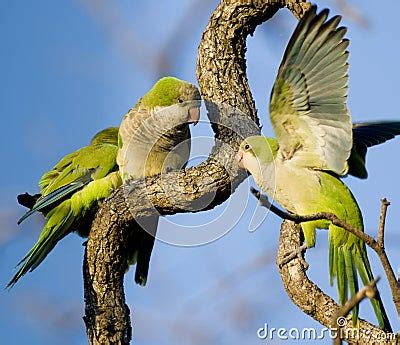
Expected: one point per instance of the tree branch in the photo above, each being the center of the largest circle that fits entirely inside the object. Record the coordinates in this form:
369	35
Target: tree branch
304	293
221	72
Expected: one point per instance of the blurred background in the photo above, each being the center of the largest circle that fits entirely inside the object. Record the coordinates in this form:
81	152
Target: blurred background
71	68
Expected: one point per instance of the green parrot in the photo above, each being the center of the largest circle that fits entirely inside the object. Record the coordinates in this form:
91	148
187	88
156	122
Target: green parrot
169	117
70	194
315	145
72	191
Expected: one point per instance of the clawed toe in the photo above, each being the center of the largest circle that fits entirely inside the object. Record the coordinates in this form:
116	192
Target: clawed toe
295	254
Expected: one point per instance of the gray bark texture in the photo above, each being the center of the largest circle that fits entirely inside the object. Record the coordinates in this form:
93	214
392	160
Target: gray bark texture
221	73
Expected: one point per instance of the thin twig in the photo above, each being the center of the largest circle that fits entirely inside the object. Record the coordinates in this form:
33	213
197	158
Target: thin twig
382	219
369	240
264	202
339	317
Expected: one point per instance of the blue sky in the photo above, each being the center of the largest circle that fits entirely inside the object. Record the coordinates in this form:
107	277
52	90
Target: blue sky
71	68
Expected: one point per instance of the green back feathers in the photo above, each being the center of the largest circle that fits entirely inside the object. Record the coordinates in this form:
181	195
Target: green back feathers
106	136
168	91
97	160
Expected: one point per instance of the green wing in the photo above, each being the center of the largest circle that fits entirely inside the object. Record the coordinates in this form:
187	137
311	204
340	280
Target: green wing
94	159
365	135
106	136
60	193
76	170
75	185
308	106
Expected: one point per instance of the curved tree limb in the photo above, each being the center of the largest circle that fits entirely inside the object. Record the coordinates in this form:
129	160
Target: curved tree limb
313	301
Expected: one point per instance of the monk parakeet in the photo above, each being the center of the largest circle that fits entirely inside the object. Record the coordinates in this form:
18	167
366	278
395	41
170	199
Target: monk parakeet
315	145
156	134
70	194
73	190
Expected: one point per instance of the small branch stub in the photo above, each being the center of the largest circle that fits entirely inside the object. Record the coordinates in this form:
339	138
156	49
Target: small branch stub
367	291
382	220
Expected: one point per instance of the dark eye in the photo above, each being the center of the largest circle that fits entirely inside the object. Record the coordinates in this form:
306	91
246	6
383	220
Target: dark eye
247	147
180	100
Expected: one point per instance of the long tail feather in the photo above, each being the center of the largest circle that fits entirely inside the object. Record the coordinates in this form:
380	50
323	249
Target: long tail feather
344	263
54	231
365	272
341	276
352	280
146	245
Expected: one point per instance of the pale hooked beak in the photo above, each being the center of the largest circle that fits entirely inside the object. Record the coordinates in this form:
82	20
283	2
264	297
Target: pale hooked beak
194	115
239	159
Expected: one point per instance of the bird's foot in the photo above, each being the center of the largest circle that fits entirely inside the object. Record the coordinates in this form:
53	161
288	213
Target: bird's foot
295	254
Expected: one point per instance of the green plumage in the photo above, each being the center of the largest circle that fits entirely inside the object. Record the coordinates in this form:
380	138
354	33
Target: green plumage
347	253
164	93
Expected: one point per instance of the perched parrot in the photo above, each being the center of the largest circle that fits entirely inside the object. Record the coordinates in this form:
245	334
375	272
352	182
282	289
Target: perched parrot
165	112
315	145
73	190
70	194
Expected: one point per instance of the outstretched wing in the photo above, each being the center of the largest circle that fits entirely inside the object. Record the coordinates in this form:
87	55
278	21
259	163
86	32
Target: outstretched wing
365	135
308	106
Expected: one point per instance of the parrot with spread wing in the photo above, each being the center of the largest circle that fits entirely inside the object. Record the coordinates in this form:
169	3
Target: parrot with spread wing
315	145
72	191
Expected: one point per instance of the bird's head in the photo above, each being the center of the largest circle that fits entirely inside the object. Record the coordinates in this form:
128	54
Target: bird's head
257	152
180	97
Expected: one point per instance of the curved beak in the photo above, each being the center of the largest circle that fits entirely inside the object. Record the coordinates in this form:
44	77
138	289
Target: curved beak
194	115
239	158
